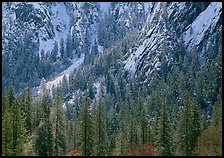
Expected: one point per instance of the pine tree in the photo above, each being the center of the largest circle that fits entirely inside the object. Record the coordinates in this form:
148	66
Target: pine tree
121	139
14	133
7	132
44	142
188	127
62	48
64	86
59	129
27	107
54	52
195	120
86	47
164	137
68	48
101	132
122	134
217	126
75	43
210	141
144	126
19	130
70	138
94	49
10	95
86	129
133	136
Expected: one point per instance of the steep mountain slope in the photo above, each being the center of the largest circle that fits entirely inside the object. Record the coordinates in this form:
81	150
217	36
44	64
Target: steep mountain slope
45	27
166	31
167	27
129	14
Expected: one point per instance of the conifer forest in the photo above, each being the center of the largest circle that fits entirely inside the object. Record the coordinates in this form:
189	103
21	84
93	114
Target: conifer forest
111	79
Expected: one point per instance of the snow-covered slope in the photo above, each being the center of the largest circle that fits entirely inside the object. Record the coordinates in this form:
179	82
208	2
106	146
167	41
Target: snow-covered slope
204	23
60	21
163	27
169	25
104	6
129	14
57	80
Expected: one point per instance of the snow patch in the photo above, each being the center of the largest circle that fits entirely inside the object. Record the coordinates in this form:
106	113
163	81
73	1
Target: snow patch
61	21
100	49
104	6
58	79
96	87
131	62
197	30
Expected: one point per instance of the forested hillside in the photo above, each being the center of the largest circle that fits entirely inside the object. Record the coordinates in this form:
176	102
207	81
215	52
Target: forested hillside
125	79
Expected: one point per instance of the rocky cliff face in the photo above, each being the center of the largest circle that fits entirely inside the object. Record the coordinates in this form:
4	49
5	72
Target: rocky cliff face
166	29
170	25
48	22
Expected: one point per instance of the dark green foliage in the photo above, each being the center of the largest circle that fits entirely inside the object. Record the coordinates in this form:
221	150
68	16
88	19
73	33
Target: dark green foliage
164	137
14	132
170	113
59	127
44	142
54	52
86	129
101	132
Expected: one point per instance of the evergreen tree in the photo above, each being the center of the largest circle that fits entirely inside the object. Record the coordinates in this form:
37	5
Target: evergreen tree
86	47
27	107
164	137
54	52
14	133
195	120
101	133
86	129
44	142
75	43
59	129
121	139
94	49
64	86
122	134
188	127
62	48
7	132
144	126
68	48
19	130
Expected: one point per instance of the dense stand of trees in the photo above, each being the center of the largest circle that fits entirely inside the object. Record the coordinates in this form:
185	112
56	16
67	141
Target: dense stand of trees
178	113
176	117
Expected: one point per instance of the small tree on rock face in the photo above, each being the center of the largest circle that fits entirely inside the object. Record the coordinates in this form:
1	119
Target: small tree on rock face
68	48
64	86
62	48
54	52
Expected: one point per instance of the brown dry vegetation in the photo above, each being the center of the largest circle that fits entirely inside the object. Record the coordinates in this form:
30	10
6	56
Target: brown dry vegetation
142	150
210	143
75	153
133	150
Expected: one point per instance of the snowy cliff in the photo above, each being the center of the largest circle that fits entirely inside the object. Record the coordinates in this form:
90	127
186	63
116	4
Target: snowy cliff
169	25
